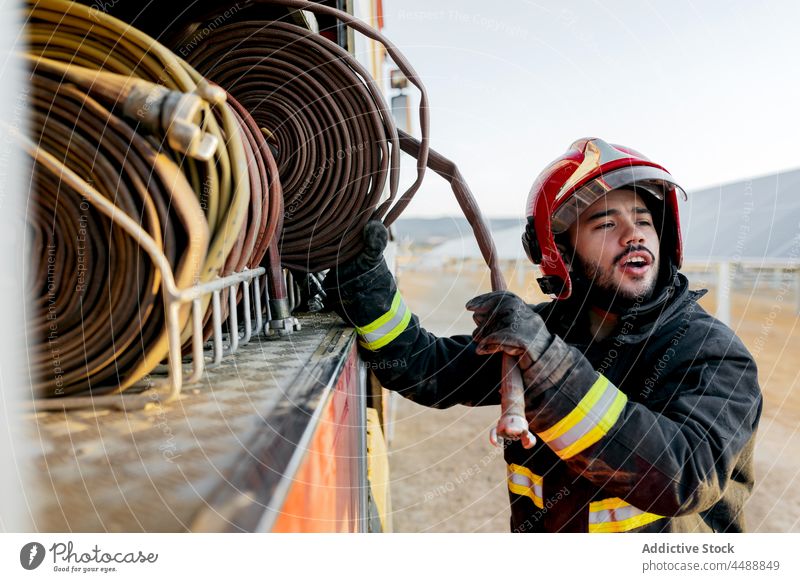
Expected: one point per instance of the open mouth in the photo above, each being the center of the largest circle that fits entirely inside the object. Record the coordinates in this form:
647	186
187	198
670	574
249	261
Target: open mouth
636	262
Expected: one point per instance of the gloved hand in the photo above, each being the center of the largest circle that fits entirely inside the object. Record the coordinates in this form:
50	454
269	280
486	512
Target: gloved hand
342	285
375	237
505	323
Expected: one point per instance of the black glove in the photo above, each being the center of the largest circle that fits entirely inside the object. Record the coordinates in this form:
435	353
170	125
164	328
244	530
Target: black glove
344	282
505	323
375	237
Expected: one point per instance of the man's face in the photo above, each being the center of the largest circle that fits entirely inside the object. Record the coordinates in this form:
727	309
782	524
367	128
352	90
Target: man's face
616	245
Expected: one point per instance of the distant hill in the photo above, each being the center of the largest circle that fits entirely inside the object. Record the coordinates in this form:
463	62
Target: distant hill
428	232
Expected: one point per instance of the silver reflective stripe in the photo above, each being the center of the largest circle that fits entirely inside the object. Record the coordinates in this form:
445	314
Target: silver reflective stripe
588	422
619	514
522	481
387	327
374	336
615	516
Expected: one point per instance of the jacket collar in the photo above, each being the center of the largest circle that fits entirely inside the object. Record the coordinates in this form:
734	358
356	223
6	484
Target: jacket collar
637	324
643	321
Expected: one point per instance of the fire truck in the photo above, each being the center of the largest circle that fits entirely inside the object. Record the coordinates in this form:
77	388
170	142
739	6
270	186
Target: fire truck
269	422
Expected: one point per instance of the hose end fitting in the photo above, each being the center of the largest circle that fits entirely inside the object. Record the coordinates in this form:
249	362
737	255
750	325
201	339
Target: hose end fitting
173	114
281	320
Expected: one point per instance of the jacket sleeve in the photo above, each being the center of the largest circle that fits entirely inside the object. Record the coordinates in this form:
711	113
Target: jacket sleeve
669	458
433	371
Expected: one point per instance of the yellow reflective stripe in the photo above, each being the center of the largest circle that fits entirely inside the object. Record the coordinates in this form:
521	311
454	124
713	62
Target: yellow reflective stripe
602	513
612	503
588	422
400	328
529	491
610	418
578	413
599	431
625	525
383	318
387	327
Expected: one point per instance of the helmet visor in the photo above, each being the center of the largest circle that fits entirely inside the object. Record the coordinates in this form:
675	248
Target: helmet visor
654	180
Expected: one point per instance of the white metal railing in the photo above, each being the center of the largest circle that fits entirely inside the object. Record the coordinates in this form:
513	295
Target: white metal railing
256	323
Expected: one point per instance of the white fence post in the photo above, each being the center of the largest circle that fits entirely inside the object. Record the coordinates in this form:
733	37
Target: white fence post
724	292
797	291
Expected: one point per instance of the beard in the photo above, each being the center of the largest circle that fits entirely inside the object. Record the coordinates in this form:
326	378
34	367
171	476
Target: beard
604	292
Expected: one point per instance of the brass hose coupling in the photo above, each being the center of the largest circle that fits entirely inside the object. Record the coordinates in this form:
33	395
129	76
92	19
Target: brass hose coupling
177	116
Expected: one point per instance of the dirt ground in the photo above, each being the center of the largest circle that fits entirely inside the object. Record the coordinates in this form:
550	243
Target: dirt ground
446	477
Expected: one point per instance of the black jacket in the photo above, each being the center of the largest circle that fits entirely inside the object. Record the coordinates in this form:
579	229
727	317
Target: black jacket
672	452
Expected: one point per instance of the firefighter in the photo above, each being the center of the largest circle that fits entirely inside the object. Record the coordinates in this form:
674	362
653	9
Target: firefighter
645	407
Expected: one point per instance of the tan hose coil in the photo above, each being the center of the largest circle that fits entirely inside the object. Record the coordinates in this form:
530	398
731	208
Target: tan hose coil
99	320
74	34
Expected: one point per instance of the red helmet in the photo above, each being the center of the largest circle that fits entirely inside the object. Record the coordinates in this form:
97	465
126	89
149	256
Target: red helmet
588	170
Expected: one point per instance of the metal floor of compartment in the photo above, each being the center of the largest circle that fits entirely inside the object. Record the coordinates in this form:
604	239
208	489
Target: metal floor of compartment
161	469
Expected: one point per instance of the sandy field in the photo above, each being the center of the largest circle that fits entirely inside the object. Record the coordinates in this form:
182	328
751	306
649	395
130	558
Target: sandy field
446	477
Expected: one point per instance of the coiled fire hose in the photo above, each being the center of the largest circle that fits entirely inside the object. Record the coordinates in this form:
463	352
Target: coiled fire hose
313	98
325	117
88	69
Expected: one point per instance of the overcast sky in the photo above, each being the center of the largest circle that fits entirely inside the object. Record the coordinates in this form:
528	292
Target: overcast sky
708	89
